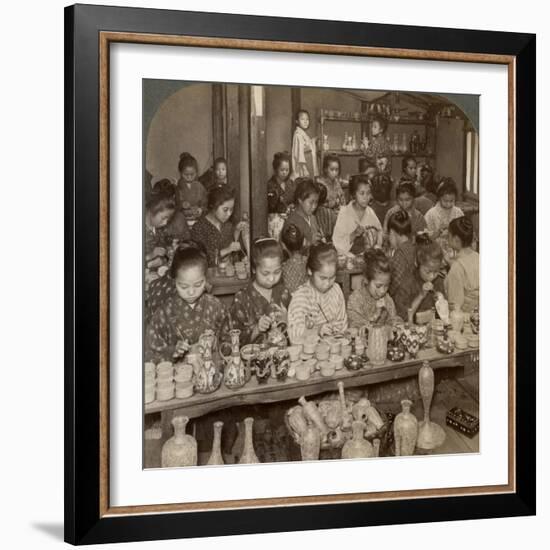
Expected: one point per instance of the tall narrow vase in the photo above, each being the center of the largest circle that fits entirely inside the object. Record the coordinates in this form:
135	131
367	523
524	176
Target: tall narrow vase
430	434
181	449
310	445
216	457
249	455
405	430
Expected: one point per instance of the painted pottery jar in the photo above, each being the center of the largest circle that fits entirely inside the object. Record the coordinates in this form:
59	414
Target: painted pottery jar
445	344
377	344
181	449
396	351
261	366
209	377
357	446
405	430
422	331
411	340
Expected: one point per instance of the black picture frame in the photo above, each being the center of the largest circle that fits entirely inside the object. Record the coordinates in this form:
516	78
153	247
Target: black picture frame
84	523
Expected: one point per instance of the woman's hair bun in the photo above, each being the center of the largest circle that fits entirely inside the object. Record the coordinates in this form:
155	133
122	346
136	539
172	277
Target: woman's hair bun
185	154
423	238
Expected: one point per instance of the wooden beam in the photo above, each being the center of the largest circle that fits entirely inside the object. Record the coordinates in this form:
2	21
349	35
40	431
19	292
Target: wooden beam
218	146
233	152
257	155
295	106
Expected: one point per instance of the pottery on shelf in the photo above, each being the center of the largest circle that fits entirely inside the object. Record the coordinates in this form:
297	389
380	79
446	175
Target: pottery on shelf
249	455
181	449
208	377
411	340
430	434
474	320
261	366
310	444
357	446
405	430
216	457
457	320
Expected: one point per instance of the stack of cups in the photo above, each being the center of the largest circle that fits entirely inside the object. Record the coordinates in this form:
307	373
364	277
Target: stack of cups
184	380
150	374
165	381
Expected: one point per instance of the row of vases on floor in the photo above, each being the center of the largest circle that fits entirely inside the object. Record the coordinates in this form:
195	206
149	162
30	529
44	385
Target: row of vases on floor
181	449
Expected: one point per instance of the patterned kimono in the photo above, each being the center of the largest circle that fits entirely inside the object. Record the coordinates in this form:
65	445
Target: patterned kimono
309	309
362	308
304	155
177	320
335	193
295	273
378	147
213	239
249	305
403	263
157	294
176	228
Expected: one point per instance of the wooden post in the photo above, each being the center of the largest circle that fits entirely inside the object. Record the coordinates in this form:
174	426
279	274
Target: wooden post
233	155
218	145
295	106
257	155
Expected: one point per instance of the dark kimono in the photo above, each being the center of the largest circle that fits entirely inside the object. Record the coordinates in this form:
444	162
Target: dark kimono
249	305
410	288
403	264
212	238
176	228
279	199
177	320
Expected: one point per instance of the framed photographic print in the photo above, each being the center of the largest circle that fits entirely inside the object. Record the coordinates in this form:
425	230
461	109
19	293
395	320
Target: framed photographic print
298	274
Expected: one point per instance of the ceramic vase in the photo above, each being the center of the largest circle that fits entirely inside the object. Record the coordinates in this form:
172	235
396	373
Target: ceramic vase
430	434
405	430
310	444
411	341
181	449
235	373
216	457
377	346
357	446
249	455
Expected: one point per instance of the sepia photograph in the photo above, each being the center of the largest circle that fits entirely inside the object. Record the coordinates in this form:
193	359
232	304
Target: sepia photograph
311	273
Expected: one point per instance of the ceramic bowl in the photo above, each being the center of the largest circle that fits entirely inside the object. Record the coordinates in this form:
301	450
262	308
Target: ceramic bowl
337	361
294	352
327	368
306	356
164	368
184	369
150	395
242	275
165	394
250	351
165	377
473	341
303	371
311	364
230	271
184	390
309	347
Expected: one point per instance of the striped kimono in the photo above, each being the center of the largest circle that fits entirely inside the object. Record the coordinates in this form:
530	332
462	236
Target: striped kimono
309	309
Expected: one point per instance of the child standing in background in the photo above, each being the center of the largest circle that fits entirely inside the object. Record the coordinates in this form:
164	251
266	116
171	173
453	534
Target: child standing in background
378	145
306	200
294	269
191	195
304	150
371	303
266	297
280	188
318	306
462	282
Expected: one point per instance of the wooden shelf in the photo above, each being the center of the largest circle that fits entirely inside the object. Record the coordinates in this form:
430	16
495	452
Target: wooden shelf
343	153
364	118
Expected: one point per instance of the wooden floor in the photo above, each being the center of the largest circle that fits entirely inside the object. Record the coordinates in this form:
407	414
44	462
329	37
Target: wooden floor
273	443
